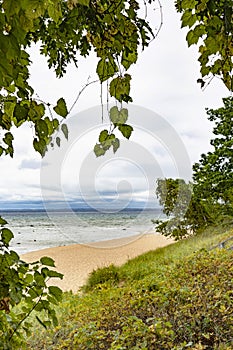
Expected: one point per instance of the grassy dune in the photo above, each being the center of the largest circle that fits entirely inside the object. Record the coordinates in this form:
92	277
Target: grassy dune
177	297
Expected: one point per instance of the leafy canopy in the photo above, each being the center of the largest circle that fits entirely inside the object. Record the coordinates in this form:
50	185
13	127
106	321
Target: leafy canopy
64	29
210	26
112	29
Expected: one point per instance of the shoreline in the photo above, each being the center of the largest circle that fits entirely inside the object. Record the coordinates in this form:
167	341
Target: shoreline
77	261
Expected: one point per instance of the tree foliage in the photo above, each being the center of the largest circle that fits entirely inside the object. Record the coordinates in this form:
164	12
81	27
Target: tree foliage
107	139
209	200
213	174
115	31
210	26
24	284
186	214
64	30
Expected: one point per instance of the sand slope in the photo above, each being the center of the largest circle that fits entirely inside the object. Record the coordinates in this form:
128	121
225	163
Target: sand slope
77	261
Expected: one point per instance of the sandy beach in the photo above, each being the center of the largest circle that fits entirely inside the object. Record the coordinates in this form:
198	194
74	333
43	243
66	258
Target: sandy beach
77	261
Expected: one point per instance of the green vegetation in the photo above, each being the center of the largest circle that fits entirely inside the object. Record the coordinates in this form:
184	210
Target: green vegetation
24	284
177	297
63	30
213	174
192	207
186	213
115	32
109	274
210	26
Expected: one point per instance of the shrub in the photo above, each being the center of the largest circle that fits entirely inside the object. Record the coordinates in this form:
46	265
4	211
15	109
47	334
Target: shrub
100	276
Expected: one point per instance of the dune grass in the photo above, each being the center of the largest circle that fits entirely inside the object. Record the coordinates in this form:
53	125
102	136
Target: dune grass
176	297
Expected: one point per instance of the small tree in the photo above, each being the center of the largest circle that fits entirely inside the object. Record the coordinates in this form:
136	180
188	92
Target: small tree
185	213
190	208
213	174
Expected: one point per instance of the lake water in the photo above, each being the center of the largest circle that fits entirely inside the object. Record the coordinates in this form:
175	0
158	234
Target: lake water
39	230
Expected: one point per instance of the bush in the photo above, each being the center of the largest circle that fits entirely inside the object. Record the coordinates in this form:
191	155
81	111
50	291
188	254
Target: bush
100	276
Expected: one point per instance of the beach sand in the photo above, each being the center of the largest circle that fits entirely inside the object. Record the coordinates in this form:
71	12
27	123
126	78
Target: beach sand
77	261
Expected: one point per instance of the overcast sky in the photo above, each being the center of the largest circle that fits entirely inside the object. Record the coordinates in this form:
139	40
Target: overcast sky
171	130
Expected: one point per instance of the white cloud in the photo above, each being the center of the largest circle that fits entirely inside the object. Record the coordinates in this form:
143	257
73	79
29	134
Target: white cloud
30	164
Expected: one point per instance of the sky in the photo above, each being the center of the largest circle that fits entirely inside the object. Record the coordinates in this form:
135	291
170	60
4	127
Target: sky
171	131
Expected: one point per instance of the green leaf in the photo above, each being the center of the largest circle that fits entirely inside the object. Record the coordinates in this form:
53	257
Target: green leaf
55	123
61	108
115	144
55	274
8	138
192	38
200	30
123	116
44	272
106	68
98	150
50	125
120	88
106	144
58	141
36	111
40	281
14	255
114	115
33	294
55	320
9	107
188	4
54	10
47	261
103	135
42	128
11	7
56	292
20	112
40	146
65	130
118	117
203	5
28	279
128	59
188	19
6	236
2	221
39	307
126	130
